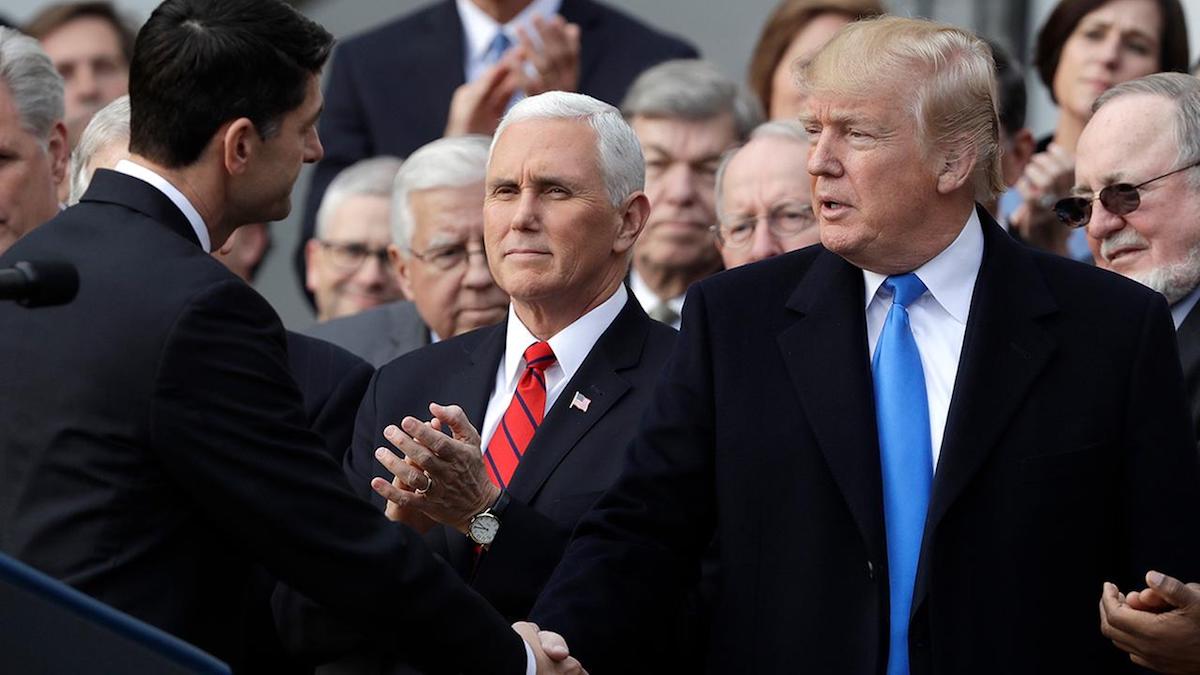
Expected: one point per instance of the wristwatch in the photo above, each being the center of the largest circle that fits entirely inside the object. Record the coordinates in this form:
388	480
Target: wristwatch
484	526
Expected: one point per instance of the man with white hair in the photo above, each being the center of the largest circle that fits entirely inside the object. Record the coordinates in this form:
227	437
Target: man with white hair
33	138
347	269
436	252
1137	191
922	446
554	391
686	115
764	200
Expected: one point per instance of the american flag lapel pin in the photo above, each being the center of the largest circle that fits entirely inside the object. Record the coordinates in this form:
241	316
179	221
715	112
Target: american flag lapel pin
581	402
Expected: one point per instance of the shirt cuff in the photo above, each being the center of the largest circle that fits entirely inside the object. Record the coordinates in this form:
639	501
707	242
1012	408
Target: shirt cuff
530	662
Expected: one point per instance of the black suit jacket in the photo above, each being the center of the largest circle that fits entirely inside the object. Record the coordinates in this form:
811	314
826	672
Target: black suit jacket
1067	461
332	382
389	89
153	447
572	459
1189	356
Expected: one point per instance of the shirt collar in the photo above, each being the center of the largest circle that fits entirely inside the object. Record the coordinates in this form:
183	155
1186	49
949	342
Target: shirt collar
1181	309
950	275
164	186
571	345
480	29
647	298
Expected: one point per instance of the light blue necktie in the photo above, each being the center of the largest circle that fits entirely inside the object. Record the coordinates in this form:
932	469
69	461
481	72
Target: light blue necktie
497	48
905	455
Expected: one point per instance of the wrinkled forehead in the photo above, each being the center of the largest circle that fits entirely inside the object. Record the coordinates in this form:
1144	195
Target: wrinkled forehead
543	145
1130	139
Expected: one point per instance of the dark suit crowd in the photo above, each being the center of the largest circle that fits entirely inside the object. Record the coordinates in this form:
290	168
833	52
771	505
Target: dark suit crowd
620	365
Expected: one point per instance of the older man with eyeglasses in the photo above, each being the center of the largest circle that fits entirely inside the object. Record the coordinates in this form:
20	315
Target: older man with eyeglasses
435	253
1137	191
348	269
764	197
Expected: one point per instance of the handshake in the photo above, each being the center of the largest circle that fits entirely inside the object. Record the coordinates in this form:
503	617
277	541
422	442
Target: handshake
550	654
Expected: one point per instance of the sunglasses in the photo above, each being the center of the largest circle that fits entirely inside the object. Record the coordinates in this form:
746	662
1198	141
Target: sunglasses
1119	199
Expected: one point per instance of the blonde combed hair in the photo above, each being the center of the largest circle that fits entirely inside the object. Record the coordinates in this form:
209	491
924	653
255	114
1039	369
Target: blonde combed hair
954	97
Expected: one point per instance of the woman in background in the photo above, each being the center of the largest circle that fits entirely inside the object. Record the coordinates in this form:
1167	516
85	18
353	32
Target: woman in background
1083	49
794	32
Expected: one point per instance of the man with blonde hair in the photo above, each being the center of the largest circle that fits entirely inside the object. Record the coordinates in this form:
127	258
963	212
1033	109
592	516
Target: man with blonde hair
902	439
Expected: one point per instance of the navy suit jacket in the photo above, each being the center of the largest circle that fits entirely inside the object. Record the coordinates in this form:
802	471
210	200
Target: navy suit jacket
154	449
332	382
1067	461
389	89
572	459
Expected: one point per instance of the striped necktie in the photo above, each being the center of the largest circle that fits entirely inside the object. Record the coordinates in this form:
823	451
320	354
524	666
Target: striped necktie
522	418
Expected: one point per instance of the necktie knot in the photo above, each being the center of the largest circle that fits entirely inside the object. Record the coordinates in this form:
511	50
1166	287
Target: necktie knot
539	356
905	288
498	47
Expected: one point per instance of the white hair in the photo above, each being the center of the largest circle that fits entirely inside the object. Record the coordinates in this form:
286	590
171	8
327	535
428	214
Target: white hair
784	130
109	125
32	81
370	177
693	90
452	162
621	162
1184	92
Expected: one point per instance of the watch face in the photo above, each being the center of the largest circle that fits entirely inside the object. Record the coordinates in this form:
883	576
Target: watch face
483	528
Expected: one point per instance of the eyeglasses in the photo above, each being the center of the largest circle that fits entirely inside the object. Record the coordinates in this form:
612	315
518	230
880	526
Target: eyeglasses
785	220
447	257
1120	199
351	255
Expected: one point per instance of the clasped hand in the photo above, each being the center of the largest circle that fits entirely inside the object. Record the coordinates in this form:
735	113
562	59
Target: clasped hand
441	478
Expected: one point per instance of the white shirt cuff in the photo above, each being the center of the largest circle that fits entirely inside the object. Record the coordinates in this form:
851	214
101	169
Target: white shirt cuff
530	662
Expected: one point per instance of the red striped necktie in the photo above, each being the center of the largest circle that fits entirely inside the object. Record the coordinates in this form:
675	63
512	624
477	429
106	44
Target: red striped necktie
522	418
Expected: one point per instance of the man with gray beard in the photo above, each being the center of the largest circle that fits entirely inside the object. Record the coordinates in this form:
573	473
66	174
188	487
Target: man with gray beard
1137	190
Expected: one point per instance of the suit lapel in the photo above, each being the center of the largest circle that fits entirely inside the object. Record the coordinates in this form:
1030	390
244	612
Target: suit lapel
598	378
113	187
826	356
435	78
1004	349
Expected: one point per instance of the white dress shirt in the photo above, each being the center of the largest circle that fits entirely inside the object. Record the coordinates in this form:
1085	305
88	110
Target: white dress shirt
479	30
649	300
938	318
571	346
164	186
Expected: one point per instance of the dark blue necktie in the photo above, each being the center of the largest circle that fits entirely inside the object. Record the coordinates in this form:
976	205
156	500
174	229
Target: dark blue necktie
905	456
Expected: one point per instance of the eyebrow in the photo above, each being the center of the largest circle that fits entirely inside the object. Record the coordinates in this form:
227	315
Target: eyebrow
1107	179
1101	23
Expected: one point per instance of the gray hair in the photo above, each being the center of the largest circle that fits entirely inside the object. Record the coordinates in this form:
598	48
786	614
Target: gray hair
693	90
785	130
451	162
621	162
370	177
35	85
1184	91
108	126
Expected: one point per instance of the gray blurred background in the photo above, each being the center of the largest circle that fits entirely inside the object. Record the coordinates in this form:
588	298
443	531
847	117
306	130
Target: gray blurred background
724	32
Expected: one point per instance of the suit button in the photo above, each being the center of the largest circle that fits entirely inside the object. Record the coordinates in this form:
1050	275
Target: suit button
870	570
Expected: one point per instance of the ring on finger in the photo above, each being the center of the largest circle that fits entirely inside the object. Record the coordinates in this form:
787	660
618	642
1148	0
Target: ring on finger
428	484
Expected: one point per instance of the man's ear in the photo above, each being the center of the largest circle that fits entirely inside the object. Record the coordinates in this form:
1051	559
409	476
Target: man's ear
402	268
59	152
633	219
956	167
239	142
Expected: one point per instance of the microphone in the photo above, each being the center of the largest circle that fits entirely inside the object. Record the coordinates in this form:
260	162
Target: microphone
39	284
